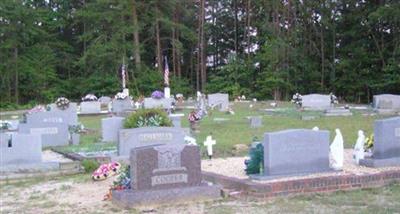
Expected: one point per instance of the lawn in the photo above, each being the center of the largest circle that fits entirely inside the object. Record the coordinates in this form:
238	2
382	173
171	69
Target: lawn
236	130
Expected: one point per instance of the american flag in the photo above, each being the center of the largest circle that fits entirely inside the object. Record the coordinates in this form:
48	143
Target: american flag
166	73
123	74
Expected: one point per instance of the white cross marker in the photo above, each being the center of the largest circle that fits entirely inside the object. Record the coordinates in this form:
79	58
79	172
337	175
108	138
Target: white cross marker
209	143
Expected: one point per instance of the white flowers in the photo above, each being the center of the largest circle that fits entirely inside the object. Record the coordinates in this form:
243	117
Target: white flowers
89	97
62	103
121	96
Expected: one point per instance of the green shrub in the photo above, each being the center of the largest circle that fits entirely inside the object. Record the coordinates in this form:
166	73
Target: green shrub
90	165
256	161
147	117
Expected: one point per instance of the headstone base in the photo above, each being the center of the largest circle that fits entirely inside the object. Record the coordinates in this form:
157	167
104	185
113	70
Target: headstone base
135	199
385	111
337	112
371	162
33	167
272	177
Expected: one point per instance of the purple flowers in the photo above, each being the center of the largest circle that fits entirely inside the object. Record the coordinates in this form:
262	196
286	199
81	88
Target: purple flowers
157	95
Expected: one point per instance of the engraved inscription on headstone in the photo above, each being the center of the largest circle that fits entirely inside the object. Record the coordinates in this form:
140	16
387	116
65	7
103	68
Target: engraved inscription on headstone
47	130
169	179
169	158
155	136
53	120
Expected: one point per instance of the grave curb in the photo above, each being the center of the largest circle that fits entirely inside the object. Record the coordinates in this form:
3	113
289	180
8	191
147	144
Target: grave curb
248	188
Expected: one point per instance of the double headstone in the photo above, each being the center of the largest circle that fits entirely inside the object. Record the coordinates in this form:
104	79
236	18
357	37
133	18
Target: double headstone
52	133
386	150
316	101
16	149
219	100
110	128
165	174
386	103
148	136
295	152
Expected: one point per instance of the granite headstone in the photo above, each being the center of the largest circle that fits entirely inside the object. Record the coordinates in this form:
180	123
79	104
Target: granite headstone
164	103
92	107
295	152
219	99
316	101
119	106
52	134
16	148
386	150
146	136
110	128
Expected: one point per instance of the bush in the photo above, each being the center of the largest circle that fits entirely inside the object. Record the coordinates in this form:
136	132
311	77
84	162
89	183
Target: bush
256	161
90	165
147	117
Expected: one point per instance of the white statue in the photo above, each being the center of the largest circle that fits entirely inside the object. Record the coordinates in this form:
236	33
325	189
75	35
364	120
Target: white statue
358	152
337	151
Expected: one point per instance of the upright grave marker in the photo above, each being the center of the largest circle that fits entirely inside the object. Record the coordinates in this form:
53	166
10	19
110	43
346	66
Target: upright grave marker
386	150
52	134
165	174
110	128
148	136
219	99
316	101
19	148
386	103
295	152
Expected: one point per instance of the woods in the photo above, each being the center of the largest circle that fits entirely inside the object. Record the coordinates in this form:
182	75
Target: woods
268	49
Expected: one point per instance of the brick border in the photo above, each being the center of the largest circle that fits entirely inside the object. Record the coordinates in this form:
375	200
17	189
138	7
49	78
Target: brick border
246	187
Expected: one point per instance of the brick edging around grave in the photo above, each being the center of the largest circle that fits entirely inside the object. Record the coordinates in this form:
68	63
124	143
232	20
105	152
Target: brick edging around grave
304	185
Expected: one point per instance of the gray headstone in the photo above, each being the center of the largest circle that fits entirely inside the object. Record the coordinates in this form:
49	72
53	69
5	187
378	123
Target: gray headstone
386	101
22	149
164	103
104	100
387	138
255	121
166	166
294	152
176	119
93	107
316	101
219	99
52	134
14	124
70	114
67	117
337	112
119	106
110	128
146	136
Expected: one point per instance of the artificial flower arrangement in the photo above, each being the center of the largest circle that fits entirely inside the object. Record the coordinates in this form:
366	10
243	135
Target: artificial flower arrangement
157	95
120	96
4	125
147	117
89	98
194	117
297	99
334	99
62	103
38	108
78	128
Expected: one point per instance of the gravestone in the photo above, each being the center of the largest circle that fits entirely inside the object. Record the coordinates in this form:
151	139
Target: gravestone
70	114
119	106
316	101
52	134
176	119
164	103
219	99
147	136
104	100
386	150
110	128
295	152
16	148
67	117
255	121
14	125
92	107
386	103
165	174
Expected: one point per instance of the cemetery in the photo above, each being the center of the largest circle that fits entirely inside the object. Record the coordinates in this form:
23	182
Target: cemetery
230	106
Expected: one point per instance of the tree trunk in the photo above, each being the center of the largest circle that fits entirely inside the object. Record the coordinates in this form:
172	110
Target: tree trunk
202	45
136	44
16	91
159	55
322	59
